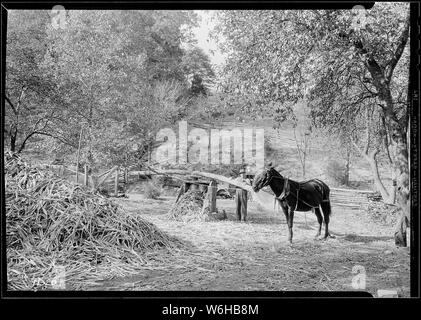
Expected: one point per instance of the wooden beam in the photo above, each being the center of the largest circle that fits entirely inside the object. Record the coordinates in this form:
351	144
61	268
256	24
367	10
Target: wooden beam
236	182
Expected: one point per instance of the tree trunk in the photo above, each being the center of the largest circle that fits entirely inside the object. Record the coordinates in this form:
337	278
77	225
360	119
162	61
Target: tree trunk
304	165
403	191
372	161
346	178
381	75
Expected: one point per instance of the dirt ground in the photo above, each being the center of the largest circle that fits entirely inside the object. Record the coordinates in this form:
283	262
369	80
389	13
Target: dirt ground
256	256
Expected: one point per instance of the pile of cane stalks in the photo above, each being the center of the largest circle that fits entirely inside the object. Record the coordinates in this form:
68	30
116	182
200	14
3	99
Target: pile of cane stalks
59	235
189	208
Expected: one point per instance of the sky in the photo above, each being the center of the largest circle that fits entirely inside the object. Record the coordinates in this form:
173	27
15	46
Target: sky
202	34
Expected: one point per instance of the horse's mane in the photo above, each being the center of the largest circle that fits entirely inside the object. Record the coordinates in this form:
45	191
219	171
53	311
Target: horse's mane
276	173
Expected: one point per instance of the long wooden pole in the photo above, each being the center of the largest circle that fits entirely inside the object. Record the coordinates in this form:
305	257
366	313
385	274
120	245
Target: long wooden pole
217	177
78	155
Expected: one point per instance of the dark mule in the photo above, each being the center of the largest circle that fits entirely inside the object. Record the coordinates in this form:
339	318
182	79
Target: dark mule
297	196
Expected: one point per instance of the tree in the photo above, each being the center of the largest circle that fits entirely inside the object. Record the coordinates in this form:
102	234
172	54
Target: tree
124	75
33	105
119	75
275	53
370	146
197	67
303	128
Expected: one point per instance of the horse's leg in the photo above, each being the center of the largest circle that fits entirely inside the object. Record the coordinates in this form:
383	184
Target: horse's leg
290	223
326	217
319	220
288	219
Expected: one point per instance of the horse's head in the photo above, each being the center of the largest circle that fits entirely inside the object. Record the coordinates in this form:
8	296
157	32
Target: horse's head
262	179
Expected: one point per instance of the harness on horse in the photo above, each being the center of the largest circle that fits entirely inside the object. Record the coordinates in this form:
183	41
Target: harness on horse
287	190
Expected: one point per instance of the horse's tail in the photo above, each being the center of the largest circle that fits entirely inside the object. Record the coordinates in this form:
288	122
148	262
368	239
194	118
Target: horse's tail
327	209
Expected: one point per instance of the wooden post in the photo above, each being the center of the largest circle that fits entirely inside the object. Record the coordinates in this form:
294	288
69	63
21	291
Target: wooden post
186	187
116	182
180	193
212	196
85	182
194	186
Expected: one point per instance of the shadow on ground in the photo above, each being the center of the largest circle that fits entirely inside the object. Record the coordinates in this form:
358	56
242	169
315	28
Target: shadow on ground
365	239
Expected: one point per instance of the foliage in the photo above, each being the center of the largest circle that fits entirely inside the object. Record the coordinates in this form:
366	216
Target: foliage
197	67
284	55
152	191
336	172
32	99
118	75
341	66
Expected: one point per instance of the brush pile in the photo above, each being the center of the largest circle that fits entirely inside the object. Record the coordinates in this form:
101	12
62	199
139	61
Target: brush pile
189	208
193	206
384	213
53	225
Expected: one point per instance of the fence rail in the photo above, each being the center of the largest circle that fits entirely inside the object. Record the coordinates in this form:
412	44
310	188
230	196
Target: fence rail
353	199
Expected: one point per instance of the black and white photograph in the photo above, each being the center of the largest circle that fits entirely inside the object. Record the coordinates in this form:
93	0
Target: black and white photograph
210	150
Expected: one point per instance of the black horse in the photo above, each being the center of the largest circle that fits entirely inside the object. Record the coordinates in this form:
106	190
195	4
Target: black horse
297	196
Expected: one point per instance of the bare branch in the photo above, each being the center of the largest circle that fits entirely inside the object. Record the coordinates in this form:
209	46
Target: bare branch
402	41
11	104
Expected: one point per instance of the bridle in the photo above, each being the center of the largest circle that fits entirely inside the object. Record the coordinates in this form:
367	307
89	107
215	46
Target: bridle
285	189
272	177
